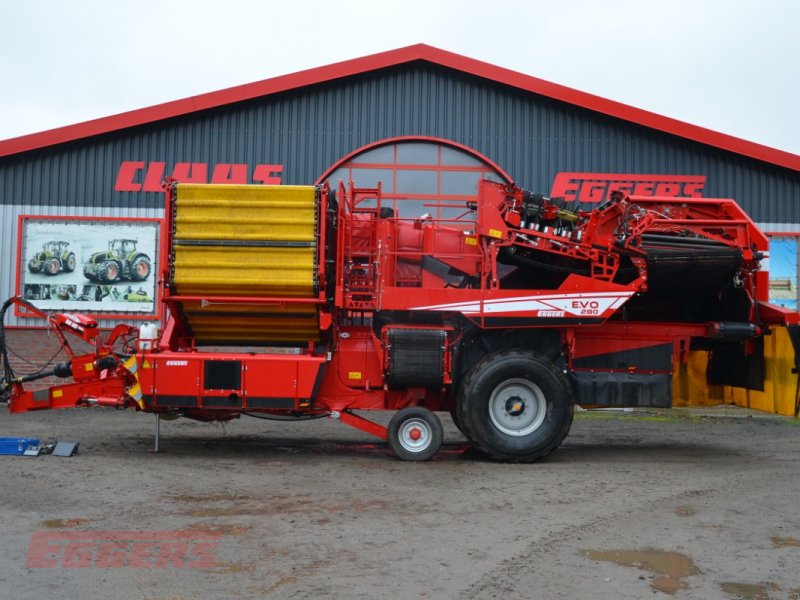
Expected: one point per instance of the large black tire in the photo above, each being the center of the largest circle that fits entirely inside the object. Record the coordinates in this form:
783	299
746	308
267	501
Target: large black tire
415	433
140	268
52	267
456	420
34	266
516	406
70	263
110	272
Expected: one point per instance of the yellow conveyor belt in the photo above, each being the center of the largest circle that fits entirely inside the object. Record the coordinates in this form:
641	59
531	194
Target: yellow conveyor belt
246	240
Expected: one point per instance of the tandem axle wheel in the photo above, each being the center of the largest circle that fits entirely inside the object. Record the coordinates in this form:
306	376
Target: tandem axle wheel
415	433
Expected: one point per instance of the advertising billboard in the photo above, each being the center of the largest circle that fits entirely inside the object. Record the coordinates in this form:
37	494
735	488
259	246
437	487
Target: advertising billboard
98	266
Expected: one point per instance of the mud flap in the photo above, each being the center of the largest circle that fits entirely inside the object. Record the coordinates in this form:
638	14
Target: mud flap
613	388
729	365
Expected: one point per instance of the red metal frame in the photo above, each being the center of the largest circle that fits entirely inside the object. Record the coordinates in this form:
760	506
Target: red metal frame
358	255
591	341
499	207
363	424
19	309
98	377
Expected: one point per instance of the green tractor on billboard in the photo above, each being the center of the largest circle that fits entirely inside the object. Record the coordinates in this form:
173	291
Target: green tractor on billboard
120	262
54	257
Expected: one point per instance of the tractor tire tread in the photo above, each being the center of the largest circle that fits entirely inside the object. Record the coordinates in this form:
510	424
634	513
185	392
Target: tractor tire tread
466	415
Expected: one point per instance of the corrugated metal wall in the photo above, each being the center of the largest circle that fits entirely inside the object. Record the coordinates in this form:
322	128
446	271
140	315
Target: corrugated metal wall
308	130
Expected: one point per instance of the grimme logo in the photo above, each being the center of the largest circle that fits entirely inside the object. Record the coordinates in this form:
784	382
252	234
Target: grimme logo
123	549
140	176
597	187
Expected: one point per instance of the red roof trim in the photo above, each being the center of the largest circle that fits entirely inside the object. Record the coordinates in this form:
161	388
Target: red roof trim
388	59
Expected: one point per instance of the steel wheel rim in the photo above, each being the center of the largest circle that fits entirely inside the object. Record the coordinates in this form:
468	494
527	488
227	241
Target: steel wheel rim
517	407
404	435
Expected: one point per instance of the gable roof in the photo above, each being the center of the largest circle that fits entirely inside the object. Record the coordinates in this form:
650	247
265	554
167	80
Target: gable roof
417	52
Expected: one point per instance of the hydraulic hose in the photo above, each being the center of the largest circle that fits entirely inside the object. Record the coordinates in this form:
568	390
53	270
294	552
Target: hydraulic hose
8	378
294	418
8	374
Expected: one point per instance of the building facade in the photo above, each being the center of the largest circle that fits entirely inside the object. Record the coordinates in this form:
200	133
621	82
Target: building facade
425	123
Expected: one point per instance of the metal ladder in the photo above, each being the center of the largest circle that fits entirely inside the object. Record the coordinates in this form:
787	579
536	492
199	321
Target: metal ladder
361	252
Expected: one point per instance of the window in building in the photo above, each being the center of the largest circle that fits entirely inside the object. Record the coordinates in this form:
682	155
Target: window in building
419	176
783	264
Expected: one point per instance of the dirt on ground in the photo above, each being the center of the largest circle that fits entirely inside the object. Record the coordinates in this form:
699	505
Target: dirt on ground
631	506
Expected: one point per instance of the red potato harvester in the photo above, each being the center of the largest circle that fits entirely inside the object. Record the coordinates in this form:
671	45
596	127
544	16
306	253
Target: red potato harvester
297	302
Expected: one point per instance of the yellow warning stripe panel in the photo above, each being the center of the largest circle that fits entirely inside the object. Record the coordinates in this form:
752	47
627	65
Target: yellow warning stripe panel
244	271
246	213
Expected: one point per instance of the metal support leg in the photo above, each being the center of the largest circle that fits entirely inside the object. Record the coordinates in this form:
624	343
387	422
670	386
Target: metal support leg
361	423
158	432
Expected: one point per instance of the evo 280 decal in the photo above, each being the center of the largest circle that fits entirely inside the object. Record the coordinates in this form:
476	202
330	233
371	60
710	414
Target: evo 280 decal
555	305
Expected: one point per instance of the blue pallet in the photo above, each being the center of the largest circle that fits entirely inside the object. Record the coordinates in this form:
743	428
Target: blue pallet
16	446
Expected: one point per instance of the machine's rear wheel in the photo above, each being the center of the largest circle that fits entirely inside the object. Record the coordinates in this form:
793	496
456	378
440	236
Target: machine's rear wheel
415	433
516	406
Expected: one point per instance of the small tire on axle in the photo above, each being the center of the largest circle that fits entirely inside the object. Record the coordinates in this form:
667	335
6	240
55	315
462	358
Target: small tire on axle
415	433
516	406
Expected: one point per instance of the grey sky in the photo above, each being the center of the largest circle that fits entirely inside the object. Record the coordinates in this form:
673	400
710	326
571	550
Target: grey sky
728	65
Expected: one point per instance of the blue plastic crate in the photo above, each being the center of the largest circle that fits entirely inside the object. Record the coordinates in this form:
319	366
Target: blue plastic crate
16	446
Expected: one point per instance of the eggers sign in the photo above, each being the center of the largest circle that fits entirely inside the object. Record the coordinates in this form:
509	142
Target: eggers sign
123	549
597	187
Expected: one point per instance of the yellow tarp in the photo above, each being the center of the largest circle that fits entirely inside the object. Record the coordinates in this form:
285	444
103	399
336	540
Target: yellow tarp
780	386
689	386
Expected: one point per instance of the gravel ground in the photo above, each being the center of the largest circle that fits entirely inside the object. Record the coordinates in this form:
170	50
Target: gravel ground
631	506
